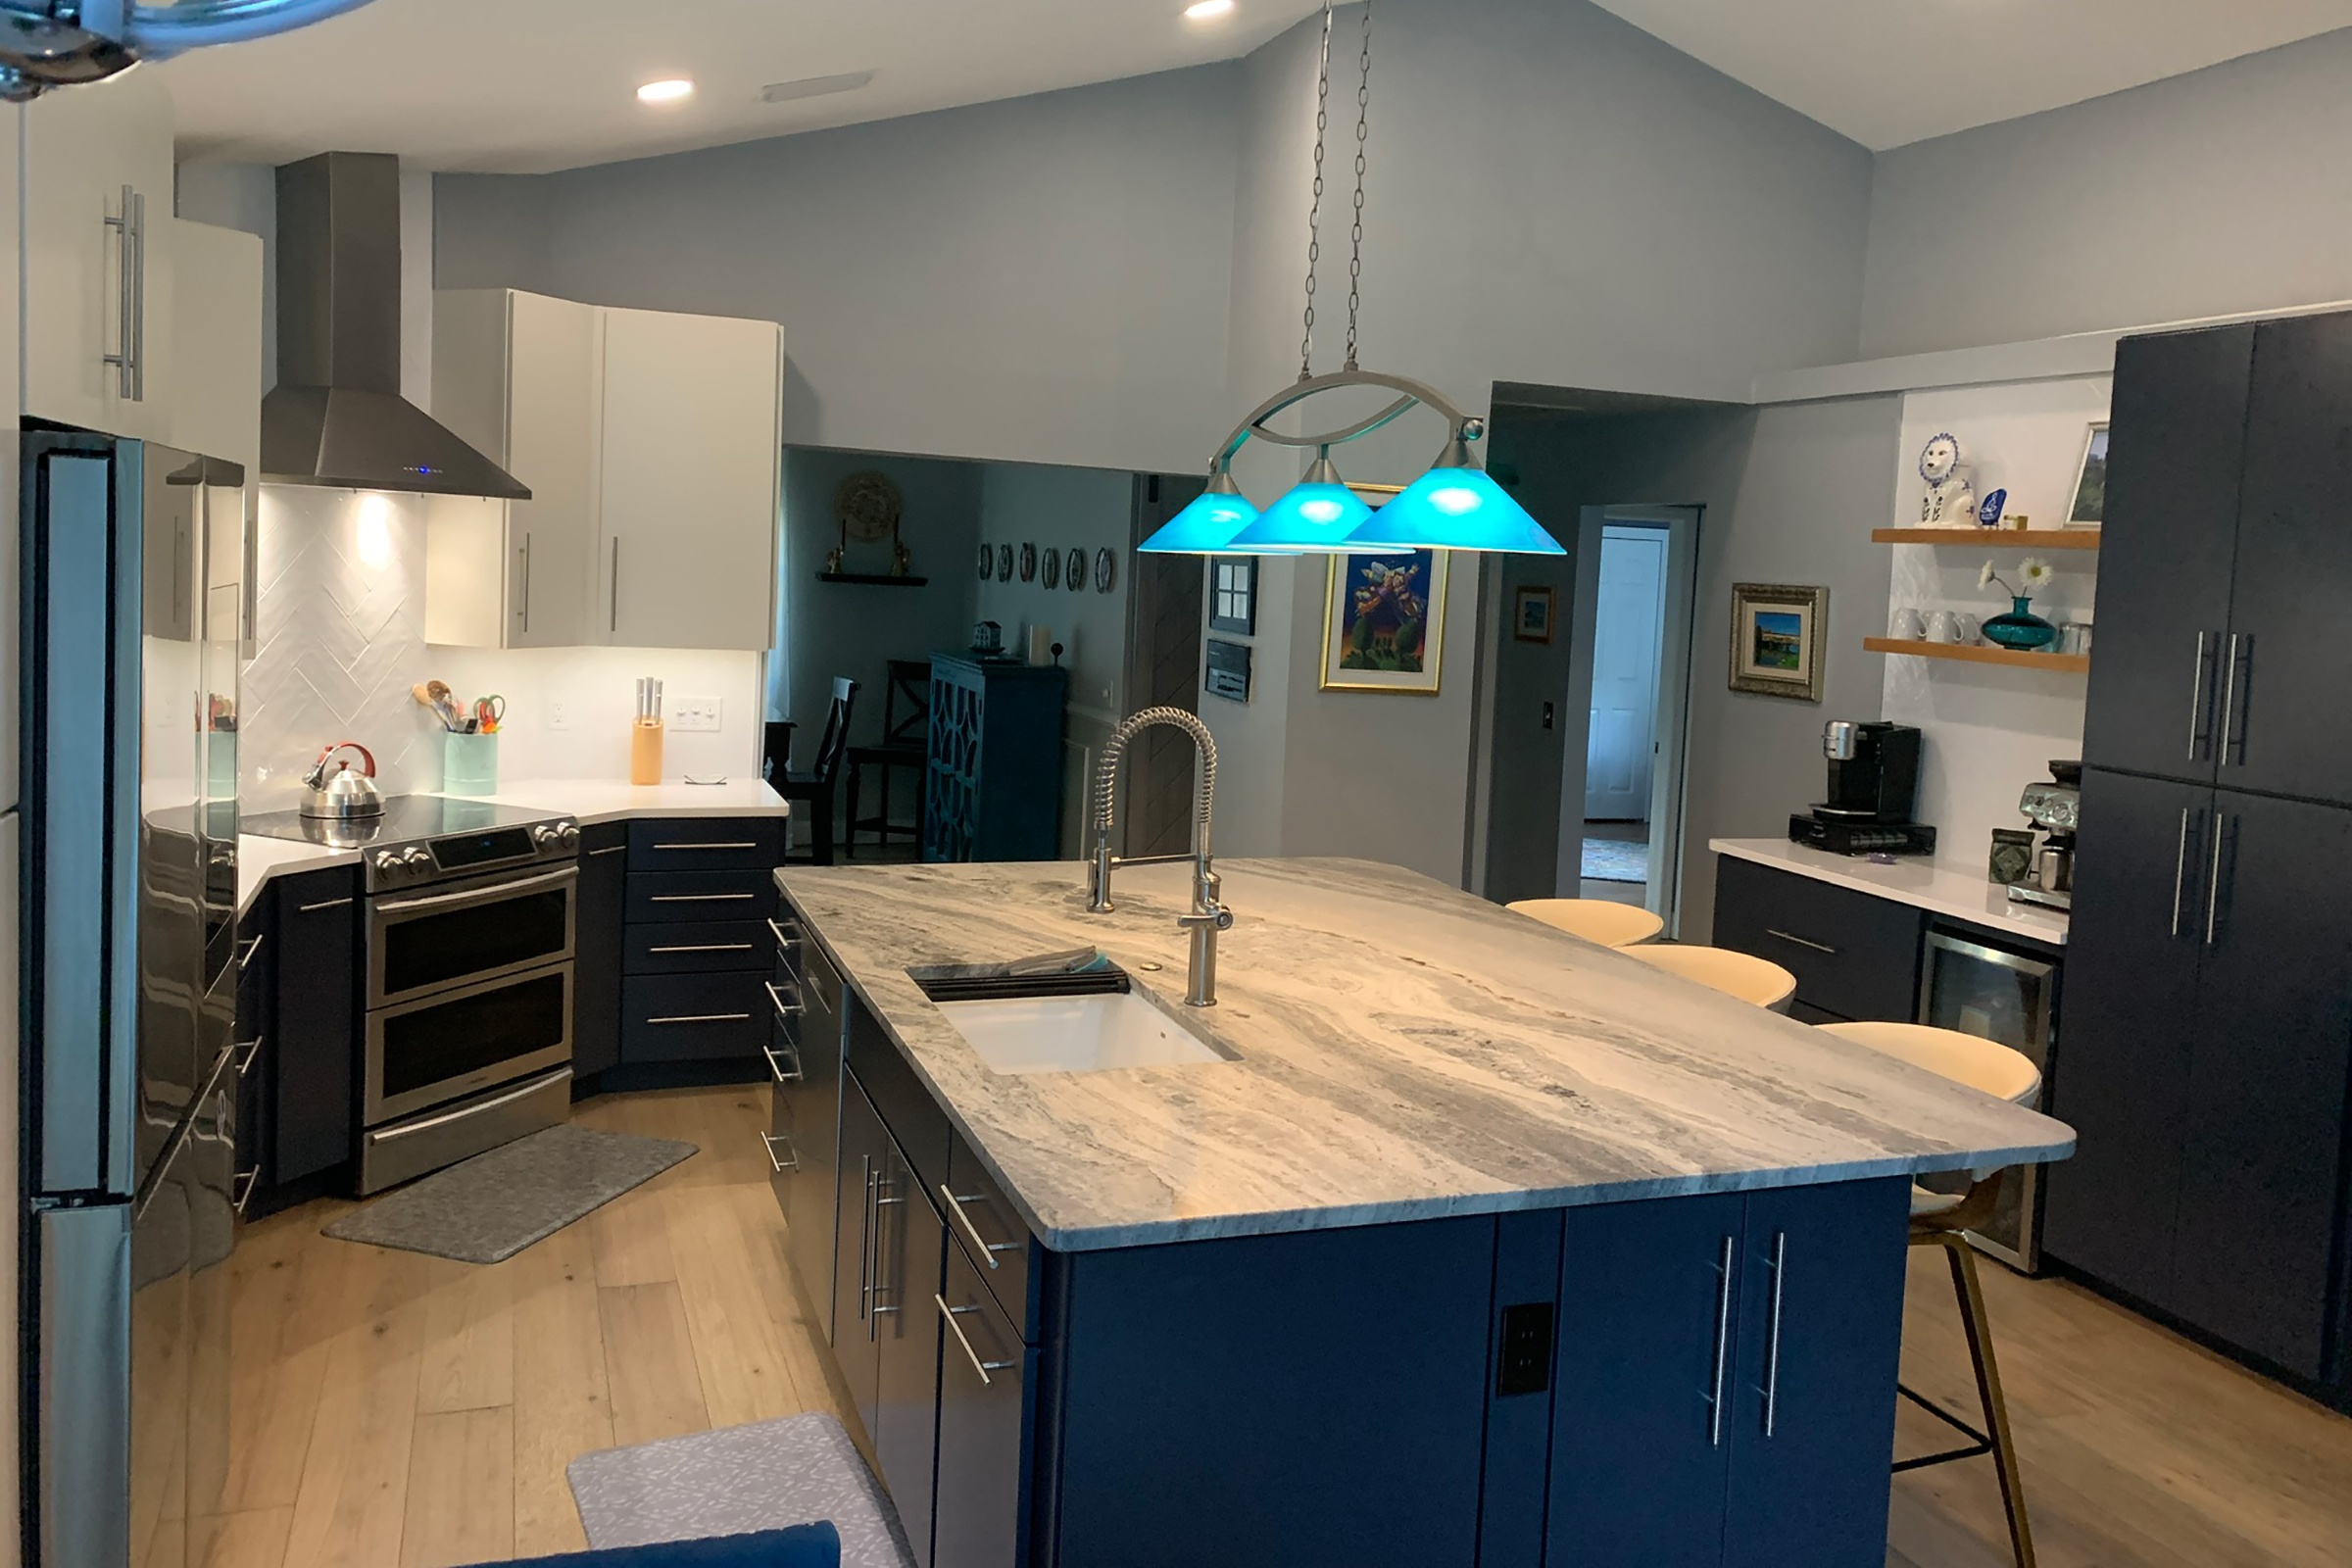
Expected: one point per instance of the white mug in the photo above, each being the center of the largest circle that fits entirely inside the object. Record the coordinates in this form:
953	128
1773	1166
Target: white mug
1943	627
1971	630
1904	625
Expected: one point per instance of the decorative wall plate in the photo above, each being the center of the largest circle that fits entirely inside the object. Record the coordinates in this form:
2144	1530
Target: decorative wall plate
1106	569
869	506
988	562
1076	571
1052	566
1029	563
1004	563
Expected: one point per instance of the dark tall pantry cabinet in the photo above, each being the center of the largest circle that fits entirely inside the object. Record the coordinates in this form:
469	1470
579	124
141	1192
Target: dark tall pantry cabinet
2209	1004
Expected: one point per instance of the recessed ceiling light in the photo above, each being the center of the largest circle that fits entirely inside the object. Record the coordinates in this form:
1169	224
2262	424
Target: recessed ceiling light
669	90
1208	10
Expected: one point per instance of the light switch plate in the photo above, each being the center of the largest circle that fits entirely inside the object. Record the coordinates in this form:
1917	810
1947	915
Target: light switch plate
689	715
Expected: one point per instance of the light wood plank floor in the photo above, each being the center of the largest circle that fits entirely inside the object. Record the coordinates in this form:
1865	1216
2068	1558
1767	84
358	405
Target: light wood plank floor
404	1411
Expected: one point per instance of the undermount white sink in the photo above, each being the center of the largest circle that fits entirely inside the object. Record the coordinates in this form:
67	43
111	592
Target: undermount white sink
1075	1034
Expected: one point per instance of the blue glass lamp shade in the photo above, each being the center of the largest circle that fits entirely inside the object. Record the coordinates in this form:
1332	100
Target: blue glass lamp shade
1318	514
1456	507
1205	527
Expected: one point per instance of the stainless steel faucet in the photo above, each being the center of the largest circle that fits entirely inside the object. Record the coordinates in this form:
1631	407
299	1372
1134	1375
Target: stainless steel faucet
1208	916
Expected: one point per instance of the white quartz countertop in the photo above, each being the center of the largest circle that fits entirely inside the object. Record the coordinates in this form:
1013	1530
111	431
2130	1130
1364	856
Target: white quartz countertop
1400	1050
590	800
1912	880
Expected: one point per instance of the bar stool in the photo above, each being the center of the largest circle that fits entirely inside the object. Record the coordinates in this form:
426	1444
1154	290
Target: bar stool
1943	1219
1734	974
1611	925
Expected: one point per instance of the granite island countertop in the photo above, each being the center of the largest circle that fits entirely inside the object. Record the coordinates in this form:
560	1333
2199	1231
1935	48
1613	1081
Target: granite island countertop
1402	1051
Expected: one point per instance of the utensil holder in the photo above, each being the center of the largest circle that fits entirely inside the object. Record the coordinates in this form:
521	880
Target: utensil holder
469	767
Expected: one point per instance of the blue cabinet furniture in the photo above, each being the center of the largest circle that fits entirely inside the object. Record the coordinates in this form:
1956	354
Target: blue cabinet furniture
699	942
316	1039
597	920
994	787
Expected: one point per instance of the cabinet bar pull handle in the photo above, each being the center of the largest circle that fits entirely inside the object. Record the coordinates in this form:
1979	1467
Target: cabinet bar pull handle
743	846
705	947
770	1142
948	1315
866	1239
526	580
695	897
2179	870
124	305
2212	885
2196	701
988	1250
784	938
247	1053
793	1077
613	617
1723	1343
2230	705
776	995
610	849
873	1313
243	1194
1772	1344
1785	936
245	958
331	903
135	343
703	1017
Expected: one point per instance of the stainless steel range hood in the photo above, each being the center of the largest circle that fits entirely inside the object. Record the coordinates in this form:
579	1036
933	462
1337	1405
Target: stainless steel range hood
336	416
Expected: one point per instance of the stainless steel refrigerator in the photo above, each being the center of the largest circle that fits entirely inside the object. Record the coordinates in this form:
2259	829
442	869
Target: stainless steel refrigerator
131	565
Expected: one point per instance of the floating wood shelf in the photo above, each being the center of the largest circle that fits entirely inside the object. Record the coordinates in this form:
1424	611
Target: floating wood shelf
872	580
1969	654
1999	538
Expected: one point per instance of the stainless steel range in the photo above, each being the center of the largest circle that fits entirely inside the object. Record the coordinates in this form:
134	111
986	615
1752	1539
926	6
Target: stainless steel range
468	963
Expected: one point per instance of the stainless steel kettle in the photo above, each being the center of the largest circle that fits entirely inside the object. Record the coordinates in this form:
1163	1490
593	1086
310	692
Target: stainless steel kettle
343	795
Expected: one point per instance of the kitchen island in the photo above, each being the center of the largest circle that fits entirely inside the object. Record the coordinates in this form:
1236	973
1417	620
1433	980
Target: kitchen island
1471	1243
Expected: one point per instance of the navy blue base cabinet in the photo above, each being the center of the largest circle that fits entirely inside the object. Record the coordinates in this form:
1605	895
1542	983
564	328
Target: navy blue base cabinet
994	790
698	942
1702	1382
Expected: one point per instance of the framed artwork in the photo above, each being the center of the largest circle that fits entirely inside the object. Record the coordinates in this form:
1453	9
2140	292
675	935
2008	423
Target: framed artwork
1531	615
1228	671
1384	622
2089	510
1233	594
1777	633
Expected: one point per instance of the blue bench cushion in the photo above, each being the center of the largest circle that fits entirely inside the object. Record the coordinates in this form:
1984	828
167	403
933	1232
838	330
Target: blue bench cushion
801	1547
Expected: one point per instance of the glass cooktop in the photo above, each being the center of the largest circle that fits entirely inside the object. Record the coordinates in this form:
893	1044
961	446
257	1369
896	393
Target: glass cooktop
407	818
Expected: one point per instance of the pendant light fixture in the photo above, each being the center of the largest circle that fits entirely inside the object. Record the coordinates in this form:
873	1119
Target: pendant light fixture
1454	506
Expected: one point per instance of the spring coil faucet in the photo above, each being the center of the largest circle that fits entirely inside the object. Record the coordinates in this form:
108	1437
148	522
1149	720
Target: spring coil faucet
1208	916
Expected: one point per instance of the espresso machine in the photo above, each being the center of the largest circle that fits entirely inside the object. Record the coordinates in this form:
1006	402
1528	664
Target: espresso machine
2055	809
1874	785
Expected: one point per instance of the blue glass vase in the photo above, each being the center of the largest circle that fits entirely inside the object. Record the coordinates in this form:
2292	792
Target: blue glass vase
2021	628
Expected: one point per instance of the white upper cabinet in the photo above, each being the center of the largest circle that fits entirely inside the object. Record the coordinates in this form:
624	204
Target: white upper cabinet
653	446
216	402
517	376
97	256
692	461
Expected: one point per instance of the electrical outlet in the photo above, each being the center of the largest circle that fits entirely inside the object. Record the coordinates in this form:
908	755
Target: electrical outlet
688	715
559	714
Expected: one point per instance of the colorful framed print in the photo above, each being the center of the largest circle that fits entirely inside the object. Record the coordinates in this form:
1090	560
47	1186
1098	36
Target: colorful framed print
1777	639
1384	622
1531	615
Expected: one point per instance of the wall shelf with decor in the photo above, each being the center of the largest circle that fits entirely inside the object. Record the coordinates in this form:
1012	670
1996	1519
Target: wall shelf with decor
1970	653
872	580
1998	538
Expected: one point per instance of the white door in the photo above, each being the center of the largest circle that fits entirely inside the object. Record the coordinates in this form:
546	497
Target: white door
1622	741
692	454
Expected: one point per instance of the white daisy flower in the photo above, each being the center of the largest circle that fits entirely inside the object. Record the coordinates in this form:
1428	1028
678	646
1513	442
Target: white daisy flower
2034	573
1985	579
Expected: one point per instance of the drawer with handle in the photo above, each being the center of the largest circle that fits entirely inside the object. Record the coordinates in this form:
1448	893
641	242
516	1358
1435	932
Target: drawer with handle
784	930
696	948
706	844
983	1219
1854	956
696	1017
674	898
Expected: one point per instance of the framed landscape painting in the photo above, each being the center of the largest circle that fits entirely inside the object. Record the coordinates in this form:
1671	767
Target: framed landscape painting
1777	635
1384	622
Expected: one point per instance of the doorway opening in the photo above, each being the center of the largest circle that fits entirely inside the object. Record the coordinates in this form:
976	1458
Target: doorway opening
1621	804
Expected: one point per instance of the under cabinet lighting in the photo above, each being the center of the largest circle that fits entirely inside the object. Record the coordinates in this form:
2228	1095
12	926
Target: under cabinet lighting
668	90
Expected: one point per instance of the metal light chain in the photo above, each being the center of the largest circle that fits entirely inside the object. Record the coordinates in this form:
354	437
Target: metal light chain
1315	211
1363	116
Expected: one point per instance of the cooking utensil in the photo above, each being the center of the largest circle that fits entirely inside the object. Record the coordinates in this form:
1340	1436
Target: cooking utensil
343	795
489	712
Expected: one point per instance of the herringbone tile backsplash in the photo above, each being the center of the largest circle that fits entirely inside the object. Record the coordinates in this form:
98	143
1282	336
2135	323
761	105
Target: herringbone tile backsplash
339	637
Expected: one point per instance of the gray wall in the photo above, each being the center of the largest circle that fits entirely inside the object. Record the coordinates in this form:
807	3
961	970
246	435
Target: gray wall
1056	509
2215	192
1042	279
1786	494
848	629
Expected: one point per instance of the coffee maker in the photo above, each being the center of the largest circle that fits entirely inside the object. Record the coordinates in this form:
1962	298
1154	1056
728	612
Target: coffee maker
2055	808
1874	785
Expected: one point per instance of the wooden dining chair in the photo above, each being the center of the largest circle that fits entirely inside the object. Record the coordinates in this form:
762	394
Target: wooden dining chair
816	788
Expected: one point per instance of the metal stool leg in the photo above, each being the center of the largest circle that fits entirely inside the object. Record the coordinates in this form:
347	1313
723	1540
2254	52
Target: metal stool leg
1973	1318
